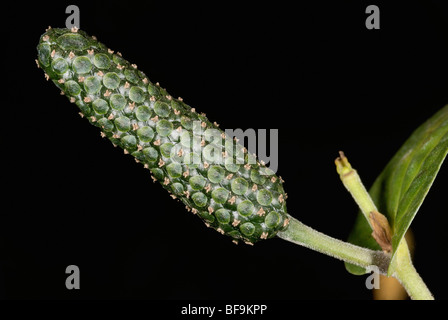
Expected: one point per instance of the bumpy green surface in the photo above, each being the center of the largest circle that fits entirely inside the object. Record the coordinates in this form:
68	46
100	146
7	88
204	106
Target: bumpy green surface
190	156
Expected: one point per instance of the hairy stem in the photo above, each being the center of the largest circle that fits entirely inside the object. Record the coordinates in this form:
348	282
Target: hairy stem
354	185
303	235
401	266
405	272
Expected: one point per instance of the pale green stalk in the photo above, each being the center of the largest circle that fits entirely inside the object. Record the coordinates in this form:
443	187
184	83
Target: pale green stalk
405	272
305	236
354	185
401	267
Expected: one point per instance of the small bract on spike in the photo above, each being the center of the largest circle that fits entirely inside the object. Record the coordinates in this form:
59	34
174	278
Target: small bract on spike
280	198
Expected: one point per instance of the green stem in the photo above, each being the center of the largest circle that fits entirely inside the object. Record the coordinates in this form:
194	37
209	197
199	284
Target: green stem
401	266
405	272
303	235
352	182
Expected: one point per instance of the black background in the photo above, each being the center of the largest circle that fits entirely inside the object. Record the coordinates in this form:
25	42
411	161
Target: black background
312	71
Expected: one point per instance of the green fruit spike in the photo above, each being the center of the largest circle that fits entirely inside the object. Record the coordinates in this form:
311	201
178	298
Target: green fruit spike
190	156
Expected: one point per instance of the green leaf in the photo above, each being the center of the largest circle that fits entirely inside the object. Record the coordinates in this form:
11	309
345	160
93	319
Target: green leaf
400	189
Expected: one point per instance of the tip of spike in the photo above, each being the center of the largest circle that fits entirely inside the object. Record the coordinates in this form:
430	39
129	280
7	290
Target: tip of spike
342	164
